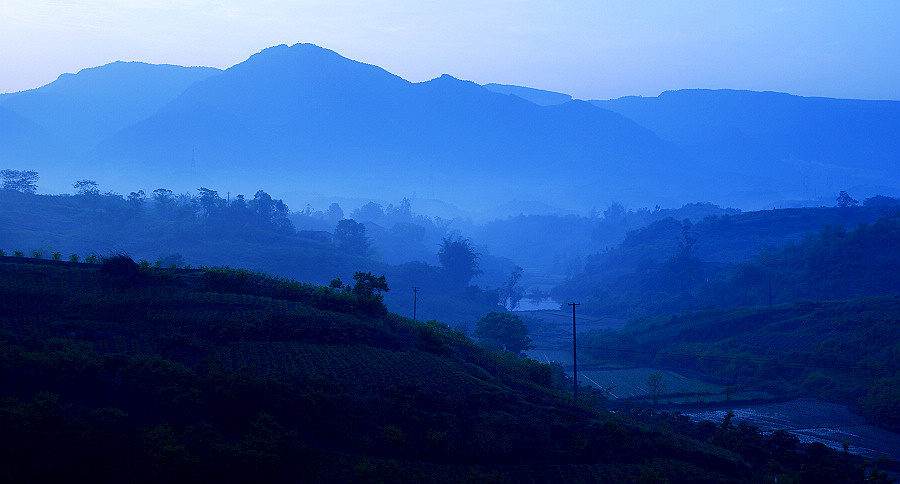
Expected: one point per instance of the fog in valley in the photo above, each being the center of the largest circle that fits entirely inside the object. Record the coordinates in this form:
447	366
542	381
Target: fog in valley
303	267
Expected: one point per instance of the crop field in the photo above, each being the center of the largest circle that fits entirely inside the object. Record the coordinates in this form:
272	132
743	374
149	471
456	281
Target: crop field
358	366
633	382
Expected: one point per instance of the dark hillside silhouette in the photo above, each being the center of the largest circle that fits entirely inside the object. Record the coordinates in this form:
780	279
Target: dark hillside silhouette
233	376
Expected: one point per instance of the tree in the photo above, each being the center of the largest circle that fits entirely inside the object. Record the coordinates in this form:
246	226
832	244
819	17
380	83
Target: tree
654	381
615	214
163	198
370	212
844	200
263	207
334	213
210	202
86	187
368	289
400	212
280	218
369	285
459	260
136	199
350	236
20	180
881	201
511	292
503	331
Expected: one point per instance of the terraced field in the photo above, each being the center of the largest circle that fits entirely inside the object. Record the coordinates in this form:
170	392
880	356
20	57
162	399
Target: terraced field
354	366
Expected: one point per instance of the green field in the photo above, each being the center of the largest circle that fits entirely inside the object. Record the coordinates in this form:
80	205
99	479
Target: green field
633	382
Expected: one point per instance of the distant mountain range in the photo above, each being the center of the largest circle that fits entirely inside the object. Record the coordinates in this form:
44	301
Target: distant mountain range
301	122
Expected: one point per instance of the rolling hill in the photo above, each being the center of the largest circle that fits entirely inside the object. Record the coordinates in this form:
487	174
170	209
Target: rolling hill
111	372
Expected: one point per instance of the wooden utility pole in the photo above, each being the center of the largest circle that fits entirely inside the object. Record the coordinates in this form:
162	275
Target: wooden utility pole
574	358
415	300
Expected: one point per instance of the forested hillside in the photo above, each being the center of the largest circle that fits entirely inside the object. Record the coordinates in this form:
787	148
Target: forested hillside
748	259
114	372
256	233
843	351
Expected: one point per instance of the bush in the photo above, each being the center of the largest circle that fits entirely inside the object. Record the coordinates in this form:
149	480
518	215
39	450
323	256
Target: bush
120	268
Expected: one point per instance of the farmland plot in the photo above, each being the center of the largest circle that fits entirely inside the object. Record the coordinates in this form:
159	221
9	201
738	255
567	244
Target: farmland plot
357	366
633	382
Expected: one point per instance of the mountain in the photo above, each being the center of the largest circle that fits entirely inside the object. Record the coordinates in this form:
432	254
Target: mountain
537	96
66	118
305	123
303	118
807	146
22	138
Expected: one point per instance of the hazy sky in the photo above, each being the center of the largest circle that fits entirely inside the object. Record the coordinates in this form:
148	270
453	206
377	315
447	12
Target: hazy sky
592	49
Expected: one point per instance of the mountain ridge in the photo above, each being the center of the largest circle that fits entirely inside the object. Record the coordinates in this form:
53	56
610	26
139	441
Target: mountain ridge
301	106
322	125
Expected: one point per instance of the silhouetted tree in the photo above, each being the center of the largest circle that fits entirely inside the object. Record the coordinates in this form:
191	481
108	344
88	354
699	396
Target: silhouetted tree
844	200
136	199
511	292
86	187
262	206
503	331
210	201
459	260
369	285
654	381
881	201
163	198
368	289
615	214
334	213
370	212
399	213
24	181
350	236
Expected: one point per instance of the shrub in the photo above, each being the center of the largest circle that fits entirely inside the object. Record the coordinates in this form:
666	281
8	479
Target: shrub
120	268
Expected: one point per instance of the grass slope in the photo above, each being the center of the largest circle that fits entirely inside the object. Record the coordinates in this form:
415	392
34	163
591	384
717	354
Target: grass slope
109	372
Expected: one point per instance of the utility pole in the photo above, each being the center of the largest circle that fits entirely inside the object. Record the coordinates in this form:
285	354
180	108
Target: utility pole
415	300
574	358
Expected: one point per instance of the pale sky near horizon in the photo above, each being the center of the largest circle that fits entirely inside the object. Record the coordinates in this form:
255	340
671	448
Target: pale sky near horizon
597	49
